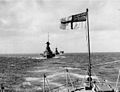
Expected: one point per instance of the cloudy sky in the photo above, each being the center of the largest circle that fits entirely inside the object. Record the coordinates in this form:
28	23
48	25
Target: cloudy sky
24	25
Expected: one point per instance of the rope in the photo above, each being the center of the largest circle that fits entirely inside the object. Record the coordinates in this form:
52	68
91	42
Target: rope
117	80
71	81
48	85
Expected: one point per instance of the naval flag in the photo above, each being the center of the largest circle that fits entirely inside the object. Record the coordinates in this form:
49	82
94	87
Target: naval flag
79	17
74	19
65	22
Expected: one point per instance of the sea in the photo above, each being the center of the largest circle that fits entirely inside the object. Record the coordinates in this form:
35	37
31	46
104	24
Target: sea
29	72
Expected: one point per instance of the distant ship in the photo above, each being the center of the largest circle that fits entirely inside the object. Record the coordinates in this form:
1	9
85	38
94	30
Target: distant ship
56	51
48	52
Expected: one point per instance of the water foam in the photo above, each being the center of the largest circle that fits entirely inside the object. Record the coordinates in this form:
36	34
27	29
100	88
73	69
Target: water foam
32	79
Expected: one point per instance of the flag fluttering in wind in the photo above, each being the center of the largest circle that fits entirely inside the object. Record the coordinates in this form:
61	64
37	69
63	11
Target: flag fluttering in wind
65	22
63	25
74	19
78	18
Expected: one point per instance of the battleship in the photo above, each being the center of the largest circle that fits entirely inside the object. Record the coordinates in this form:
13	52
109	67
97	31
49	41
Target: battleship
56	51
48	53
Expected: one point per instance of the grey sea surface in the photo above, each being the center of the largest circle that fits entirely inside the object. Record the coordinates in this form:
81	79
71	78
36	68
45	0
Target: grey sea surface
24	72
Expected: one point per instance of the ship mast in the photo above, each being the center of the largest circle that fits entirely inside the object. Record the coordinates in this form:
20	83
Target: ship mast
48	36
48	43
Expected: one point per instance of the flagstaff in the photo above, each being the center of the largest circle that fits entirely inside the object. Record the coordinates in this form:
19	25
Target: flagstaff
89	53
82	17
90	84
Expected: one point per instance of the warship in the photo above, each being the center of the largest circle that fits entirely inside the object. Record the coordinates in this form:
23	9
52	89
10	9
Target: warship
48	52
56	51
89	84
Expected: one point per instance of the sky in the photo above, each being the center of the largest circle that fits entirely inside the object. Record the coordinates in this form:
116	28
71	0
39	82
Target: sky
25	24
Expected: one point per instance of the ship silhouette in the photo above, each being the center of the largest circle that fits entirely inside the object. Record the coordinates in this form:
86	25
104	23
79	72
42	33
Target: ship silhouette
48	53
56	51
